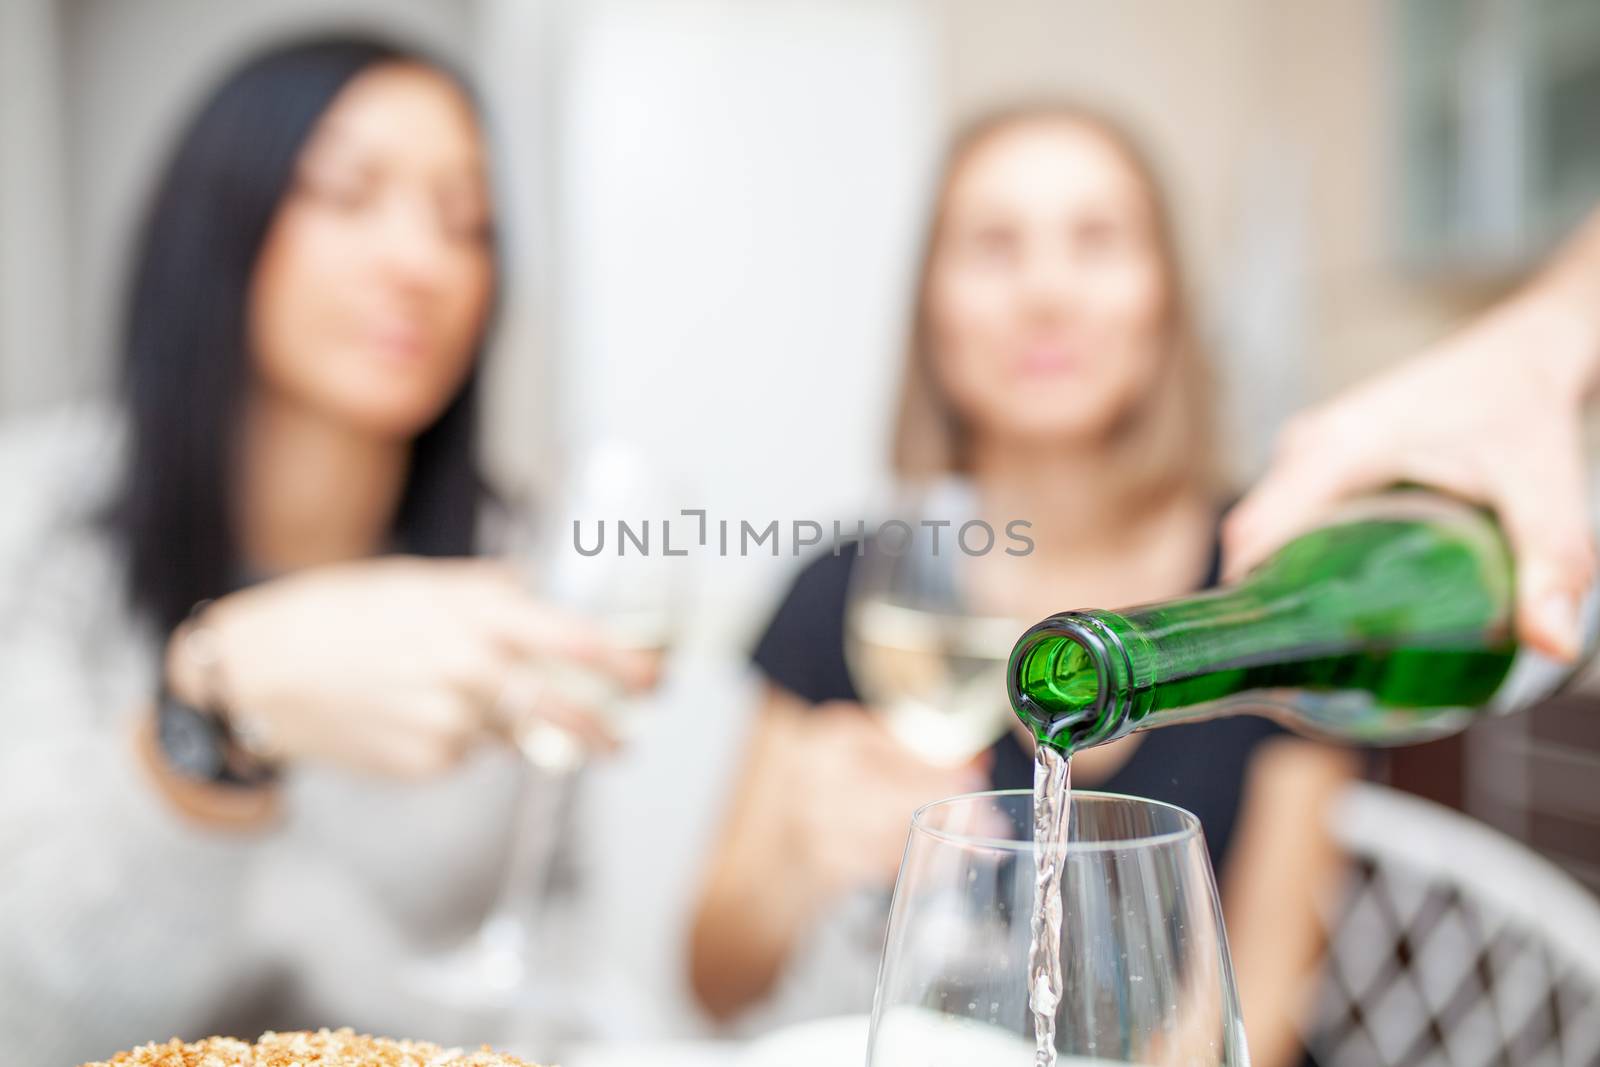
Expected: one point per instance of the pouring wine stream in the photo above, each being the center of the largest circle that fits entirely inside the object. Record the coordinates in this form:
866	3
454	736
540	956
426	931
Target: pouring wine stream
1052	809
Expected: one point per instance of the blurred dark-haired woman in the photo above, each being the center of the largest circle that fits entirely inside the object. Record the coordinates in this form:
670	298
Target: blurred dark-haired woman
248	671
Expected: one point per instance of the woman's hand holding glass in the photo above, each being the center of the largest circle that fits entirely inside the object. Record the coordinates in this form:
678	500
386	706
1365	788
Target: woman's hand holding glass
401	665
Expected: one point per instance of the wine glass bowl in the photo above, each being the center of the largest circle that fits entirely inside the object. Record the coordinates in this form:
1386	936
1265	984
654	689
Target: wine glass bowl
579	560
920	653
1146	976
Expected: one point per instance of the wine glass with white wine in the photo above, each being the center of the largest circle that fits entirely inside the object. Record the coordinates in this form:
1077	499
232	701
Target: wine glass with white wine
580	562
922	654
635	598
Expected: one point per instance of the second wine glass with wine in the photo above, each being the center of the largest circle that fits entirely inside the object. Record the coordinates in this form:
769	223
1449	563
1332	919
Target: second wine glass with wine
922	652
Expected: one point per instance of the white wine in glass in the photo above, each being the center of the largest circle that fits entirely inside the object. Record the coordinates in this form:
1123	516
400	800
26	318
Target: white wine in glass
922	654
937	678
554	749
636	600
635	597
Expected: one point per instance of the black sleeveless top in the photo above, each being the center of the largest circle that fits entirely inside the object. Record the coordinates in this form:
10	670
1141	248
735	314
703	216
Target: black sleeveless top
1199	767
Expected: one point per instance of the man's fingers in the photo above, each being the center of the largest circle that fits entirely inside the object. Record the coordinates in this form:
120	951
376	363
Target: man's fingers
1296	494
1547	617
1546	520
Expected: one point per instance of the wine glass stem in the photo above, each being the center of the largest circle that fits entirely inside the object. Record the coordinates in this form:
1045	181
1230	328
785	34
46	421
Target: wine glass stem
542	798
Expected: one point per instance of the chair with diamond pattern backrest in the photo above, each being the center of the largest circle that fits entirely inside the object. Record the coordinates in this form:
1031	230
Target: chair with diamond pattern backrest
1454	946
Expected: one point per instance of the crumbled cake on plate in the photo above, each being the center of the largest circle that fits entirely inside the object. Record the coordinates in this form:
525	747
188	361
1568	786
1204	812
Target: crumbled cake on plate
325	1048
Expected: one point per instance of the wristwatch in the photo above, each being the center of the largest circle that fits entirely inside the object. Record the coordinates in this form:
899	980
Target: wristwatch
202	742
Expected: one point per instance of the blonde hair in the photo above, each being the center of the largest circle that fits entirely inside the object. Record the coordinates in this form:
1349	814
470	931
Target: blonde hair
1165	442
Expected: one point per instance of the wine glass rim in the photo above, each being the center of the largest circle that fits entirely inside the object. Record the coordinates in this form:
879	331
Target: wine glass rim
1190	823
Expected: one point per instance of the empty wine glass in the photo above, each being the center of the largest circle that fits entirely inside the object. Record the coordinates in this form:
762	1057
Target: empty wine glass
1146	976
921	653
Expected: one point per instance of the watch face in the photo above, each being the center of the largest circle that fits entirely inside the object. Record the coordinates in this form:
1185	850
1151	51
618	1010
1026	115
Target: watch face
192	741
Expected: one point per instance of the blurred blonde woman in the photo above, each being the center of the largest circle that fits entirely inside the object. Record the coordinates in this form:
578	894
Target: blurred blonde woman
1053	361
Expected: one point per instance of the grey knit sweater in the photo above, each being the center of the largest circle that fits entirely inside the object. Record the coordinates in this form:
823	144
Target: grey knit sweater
121	922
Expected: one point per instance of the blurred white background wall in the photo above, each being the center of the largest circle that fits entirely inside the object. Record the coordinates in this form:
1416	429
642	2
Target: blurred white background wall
33	251
737	188
740	186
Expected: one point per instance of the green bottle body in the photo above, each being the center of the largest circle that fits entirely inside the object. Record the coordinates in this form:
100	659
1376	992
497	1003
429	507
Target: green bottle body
1391	624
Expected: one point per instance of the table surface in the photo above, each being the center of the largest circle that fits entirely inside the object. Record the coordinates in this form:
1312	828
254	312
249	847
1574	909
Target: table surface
923	1039
657	1054
820	1043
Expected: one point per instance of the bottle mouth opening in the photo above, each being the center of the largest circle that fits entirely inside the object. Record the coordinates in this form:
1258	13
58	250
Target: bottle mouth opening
1060	681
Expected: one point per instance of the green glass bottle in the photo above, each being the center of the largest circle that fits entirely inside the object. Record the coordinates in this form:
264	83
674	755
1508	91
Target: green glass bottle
1391	624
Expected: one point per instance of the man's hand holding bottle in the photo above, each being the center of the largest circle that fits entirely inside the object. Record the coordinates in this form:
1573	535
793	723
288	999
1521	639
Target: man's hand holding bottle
1493	415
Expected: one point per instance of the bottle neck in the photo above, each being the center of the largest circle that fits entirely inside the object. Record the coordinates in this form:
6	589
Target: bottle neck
1082	678
1070	678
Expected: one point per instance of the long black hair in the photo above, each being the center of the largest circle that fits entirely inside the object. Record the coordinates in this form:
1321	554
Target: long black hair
186	367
